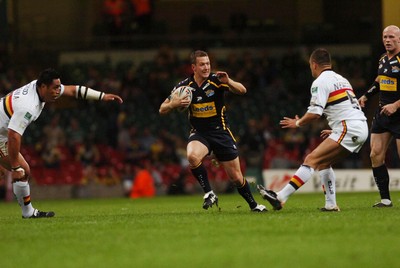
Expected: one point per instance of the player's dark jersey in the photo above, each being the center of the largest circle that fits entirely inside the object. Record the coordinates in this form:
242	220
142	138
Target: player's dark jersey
207	110
389	80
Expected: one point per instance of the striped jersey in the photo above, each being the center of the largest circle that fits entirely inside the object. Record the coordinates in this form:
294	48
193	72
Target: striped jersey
207	110
19	108
333	96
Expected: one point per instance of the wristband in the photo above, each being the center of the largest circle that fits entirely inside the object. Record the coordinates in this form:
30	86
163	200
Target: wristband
15	168
18	169
373	89
86	93
297	123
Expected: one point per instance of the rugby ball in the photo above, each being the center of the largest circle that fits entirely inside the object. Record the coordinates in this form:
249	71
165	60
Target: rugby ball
183	92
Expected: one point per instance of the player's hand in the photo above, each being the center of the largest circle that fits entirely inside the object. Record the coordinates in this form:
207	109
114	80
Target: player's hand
222	76
288	122
18	173
325	133
112	97
177	102
389	109
362	100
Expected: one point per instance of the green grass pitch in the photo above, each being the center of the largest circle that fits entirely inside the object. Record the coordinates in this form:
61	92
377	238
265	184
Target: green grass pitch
176	232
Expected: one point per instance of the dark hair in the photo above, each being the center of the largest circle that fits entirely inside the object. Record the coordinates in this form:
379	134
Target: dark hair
321	56
47	76
197	54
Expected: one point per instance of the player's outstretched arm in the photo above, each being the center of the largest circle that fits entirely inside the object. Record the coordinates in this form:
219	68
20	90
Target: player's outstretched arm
296	122
86	93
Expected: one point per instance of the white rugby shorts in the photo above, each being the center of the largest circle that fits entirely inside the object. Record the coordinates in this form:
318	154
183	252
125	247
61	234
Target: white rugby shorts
351	134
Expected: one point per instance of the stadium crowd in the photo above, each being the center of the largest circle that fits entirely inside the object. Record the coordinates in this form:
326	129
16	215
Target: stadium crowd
111	144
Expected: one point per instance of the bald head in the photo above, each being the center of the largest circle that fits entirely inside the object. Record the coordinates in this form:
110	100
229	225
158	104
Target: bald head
391	40
392	28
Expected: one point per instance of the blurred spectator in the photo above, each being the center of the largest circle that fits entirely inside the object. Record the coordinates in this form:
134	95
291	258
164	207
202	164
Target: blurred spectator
54	132
143	14
130	145
112	82
252	144
143	182
51	156
267	128
88	154
107	175
281	159
113	11
146	140
294	138
75	133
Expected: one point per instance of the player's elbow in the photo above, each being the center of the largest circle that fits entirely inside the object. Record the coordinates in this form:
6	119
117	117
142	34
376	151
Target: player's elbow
163	110
241	91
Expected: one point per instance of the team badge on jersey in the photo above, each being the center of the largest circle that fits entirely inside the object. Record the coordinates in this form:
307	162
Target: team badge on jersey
314	89
395	69
210	92
28	116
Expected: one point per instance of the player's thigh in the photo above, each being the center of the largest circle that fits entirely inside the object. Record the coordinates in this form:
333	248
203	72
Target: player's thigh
327	153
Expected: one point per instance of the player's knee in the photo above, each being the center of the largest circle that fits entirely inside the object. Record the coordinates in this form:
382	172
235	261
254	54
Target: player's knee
375	155
237	181
194	160
377	159
236	177
312	162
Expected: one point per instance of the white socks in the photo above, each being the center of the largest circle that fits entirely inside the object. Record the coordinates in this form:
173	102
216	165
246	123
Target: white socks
302	175
328	182
23	194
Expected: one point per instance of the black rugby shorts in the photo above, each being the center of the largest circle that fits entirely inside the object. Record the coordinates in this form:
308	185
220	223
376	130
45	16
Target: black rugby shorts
382	123
218	141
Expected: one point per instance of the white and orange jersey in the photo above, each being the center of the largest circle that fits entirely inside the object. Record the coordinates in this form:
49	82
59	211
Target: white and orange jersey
333	96
19	108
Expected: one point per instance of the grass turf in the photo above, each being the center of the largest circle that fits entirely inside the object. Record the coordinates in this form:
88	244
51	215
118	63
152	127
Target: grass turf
177	232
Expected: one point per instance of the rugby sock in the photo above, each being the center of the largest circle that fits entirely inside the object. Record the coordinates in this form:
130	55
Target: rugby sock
244	191
302	175
381	177
328	181
22	191
200	173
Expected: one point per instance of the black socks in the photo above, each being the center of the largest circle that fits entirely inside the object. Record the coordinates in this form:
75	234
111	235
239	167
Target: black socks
244	191
200	173
381	177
